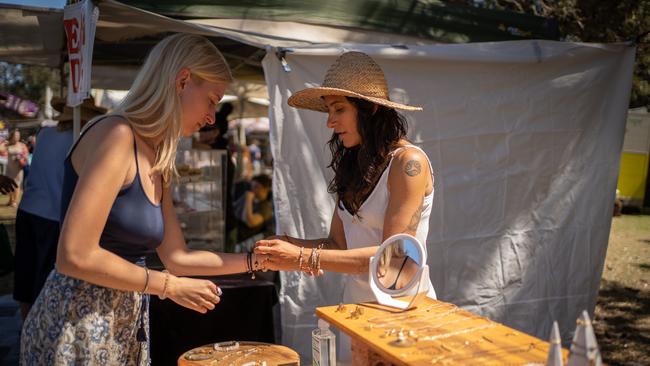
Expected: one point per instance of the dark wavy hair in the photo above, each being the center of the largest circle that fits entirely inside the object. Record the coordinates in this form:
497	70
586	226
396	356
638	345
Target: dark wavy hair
357	169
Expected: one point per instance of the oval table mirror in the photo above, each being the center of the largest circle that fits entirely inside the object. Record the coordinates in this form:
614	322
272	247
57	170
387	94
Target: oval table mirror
399	268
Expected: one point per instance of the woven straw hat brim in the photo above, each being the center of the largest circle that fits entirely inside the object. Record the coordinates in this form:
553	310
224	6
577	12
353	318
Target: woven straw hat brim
86	115
88	110
58	103
312	99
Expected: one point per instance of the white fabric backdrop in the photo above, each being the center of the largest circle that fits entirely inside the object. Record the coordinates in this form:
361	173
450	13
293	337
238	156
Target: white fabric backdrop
524	138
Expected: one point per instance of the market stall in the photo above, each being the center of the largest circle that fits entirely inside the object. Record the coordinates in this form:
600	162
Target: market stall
524	139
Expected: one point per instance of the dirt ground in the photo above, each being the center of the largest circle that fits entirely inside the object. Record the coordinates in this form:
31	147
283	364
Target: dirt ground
622	317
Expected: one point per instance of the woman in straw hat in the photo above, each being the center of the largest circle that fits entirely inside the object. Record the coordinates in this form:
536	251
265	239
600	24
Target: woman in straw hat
117	207
383	183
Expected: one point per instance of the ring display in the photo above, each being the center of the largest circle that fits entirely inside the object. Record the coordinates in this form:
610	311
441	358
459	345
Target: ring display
226	346
199	354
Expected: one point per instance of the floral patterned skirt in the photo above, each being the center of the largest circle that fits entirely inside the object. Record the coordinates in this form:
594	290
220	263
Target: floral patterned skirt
74	322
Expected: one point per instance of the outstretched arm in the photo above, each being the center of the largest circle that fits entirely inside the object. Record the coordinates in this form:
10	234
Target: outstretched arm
408	182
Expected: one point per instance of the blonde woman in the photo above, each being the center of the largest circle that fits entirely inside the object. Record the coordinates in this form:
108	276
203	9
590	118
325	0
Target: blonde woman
117	207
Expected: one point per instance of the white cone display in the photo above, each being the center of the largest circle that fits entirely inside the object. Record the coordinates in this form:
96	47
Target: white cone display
555	351
584	348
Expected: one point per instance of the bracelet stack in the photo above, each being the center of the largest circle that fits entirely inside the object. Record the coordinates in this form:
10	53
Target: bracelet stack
312	265
254	266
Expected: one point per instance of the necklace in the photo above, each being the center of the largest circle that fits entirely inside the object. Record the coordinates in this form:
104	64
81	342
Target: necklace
384	319
451	334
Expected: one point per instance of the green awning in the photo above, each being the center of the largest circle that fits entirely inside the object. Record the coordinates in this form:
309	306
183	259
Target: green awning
431	20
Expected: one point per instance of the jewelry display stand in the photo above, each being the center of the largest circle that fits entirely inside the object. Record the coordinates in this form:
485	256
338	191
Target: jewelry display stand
419	330
240	353
198	195
433	333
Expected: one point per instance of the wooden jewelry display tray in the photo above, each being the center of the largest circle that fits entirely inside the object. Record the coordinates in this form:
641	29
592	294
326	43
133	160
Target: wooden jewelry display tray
435	333
246	353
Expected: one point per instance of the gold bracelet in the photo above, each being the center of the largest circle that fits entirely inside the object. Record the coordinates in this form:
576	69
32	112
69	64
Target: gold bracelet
146	281
163	296
318	258
300	259
314	262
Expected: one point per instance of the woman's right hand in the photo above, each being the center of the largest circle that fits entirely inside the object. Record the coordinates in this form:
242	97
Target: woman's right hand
195	294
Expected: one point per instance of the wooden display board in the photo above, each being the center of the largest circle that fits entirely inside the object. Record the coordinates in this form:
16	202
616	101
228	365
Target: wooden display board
435	332
247	353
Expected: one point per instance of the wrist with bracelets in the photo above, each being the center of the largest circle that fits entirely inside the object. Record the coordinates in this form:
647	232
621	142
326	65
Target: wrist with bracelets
313	261
253	266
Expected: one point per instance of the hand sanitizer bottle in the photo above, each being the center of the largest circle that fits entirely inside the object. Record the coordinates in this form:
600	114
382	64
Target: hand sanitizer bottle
323	345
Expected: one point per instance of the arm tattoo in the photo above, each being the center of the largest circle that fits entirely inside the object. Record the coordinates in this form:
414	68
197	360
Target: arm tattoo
412	168
415	219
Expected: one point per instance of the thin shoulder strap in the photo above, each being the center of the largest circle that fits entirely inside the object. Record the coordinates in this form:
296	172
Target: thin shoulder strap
135	152
393	287
83	133
91	125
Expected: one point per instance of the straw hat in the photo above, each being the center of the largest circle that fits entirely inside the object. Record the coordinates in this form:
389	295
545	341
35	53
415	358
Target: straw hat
353	74
88	109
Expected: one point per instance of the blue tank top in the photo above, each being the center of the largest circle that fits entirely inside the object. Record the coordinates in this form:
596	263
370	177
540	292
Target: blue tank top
134	227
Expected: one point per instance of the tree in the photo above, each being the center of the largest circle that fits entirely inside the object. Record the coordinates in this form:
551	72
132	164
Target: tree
28	82
600	21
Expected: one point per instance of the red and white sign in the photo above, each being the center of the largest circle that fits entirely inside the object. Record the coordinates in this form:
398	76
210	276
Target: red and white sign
79	20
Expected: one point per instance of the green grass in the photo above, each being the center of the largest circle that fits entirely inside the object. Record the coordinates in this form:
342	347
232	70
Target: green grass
628	253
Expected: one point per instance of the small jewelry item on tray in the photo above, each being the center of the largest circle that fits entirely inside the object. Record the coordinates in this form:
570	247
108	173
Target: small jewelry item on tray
200	354
226	346
402	341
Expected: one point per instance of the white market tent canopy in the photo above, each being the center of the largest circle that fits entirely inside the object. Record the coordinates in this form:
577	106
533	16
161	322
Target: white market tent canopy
524	138
242	32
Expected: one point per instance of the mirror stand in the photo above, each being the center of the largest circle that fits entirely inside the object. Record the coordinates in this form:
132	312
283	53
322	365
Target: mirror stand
418	287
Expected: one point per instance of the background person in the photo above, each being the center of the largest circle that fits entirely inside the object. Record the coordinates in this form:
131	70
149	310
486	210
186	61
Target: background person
17	159
38	215
254	209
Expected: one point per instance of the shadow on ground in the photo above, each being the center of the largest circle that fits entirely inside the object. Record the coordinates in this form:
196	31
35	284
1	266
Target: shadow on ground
622	324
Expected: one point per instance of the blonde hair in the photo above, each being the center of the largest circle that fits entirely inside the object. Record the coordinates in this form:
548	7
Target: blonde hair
152	105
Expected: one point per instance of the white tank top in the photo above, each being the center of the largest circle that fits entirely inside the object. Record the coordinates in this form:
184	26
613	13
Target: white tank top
369	230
